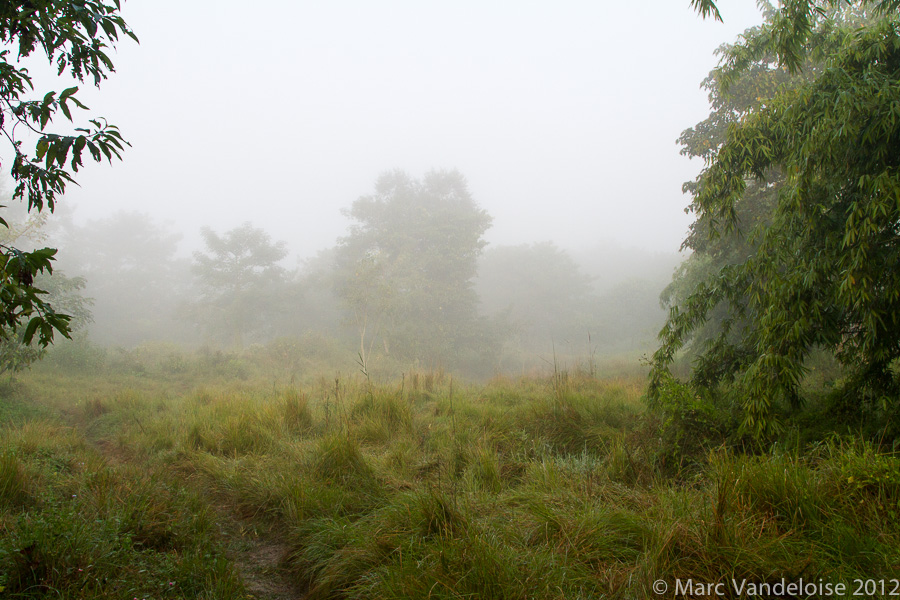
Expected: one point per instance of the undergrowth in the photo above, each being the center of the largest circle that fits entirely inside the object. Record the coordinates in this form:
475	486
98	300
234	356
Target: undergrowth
559	487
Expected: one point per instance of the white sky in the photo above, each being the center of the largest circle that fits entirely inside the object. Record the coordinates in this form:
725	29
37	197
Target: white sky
562	115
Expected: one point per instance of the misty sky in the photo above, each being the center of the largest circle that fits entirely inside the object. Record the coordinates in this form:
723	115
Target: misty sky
562	115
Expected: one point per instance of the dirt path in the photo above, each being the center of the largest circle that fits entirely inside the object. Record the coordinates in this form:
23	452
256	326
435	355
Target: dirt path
257	554
259	558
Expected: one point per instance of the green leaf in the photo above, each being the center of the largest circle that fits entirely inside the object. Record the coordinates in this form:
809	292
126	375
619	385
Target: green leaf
63	152
41	149
31	329
67	93
51	155
706	8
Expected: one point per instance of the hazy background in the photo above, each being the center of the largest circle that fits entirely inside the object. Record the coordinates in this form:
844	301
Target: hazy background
563	116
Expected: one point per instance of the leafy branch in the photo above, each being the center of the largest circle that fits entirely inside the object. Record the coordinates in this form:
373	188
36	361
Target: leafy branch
75	36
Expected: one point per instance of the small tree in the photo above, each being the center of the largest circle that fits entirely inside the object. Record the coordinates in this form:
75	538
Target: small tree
406	269
240	280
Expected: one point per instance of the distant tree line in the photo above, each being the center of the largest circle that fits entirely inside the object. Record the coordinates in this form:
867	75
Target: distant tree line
412	281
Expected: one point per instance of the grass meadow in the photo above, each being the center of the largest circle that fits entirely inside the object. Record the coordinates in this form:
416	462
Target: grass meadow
162	477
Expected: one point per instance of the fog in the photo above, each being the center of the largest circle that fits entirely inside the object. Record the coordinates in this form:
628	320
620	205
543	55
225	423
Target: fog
558	121
563	117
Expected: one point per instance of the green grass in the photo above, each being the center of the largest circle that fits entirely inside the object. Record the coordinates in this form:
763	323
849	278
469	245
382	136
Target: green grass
75	525
555	487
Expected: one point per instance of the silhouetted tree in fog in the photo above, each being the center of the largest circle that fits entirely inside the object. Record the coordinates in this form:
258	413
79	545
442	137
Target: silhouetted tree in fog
240	281
405	271
131	269
540	287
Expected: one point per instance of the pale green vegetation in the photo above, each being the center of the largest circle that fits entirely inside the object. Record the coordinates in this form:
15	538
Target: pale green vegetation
126	480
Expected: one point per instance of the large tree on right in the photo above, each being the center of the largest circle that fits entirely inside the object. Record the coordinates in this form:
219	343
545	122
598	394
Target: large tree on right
819	261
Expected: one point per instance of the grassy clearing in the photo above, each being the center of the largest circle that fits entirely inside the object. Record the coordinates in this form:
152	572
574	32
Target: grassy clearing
556	487
75	525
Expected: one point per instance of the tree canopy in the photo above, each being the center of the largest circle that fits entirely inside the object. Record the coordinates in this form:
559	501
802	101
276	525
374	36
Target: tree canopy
788	30
818	265
406	269
240	280
75	37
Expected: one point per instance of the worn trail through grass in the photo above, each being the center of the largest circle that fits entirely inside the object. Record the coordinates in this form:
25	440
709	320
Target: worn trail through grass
256	551
545	489
259	557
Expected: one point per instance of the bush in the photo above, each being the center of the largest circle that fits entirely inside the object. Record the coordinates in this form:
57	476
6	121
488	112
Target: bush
691	425
77	355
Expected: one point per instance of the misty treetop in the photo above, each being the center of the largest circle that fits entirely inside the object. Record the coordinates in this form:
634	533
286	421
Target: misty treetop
241	281
239	259
435	217
406	268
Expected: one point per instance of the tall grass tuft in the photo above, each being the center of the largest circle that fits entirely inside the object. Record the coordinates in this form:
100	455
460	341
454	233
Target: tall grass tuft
437	514
14	482
379	415
485	469
296	411
338	458
783	488
590	534
233	435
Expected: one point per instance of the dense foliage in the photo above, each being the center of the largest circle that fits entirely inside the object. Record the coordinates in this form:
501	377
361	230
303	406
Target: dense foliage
818	163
